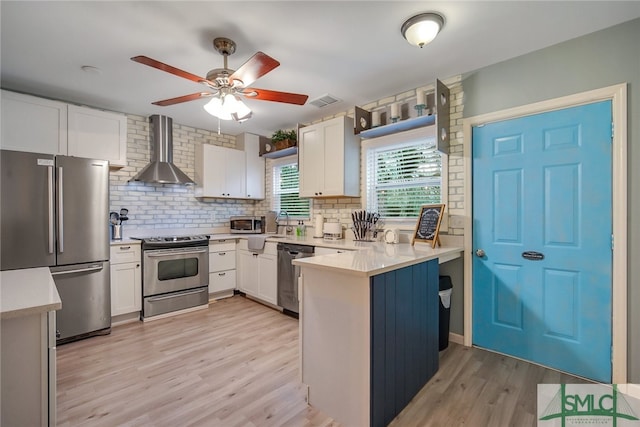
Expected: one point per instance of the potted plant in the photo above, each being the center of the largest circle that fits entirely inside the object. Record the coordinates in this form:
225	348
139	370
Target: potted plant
284	138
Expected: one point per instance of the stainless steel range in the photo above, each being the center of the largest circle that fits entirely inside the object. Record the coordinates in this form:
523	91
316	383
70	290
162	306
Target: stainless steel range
175	273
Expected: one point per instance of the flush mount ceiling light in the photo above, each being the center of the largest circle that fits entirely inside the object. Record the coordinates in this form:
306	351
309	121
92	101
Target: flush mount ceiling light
421	29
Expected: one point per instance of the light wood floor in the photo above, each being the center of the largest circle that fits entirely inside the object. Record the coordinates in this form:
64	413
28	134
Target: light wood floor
236	364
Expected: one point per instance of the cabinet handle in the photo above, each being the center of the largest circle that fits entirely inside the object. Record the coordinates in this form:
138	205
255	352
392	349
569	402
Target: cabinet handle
137	265
125	248
222	274
255	255
222	253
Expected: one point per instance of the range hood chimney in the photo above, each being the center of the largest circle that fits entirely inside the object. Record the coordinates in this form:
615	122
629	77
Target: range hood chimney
161	170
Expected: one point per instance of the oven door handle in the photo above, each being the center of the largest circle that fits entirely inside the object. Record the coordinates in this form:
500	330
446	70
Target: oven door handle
163	252
176	294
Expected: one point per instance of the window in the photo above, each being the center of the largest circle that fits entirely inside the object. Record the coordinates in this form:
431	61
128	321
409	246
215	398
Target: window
285	190
403	175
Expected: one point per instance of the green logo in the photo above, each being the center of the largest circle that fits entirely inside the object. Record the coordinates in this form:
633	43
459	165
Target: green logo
588	404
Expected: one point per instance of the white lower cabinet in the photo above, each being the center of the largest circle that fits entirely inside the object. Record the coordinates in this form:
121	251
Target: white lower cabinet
28	370
258	271
126	279
222	268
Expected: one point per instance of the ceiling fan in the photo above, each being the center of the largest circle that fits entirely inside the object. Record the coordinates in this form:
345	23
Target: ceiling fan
227	85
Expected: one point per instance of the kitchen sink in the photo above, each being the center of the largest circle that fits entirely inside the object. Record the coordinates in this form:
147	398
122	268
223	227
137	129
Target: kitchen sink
277	236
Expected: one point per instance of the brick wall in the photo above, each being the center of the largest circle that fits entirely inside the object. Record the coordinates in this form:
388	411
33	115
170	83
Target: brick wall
174	206
166	205
341	208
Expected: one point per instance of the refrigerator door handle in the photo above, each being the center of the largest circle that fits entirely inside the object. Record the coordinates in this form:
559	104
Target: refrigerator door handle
79	270
60	212
51	207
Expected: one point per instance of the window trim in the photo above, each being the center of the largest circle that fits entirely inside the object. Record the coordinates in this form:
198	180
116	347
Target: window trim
281	161
401	138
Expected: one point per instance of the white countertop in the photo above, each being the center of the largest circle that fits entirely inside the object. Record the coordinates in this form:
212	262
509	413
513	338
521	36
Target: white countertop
379	258
27	291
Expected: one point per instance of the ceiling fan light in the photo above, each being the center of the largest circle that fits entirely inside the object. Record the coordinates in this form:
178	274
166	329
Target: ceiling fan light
228	107
216	109
421	29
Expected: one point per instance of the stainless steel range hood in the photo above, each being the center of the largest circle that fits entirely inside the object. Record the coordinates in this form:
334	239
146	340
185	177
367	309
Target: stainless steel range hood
161	170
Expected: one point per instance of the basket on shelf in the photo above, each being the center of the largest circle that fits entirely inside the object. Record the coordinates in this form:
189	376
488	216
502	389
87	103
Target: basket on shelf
284	139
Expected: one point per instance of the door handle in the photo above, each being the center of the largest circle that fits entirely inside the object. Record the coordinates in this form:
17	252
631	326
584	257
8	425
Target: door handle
480	253
161	252
79	270
176	295
60	212
51	208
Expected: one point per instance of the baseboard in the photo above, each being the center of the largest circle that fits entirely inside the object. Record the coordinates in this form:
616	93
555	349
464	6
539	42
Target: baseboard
456	338
123	319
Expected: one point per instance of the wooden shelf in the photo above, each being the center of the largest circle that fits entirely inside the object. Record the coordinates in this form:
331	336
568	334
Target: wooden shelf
400	126
440	119
281	153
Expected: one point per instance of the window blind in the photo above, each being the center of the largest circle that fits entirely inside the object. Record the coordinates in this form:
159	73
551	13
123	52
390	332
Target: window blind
286	191
403	177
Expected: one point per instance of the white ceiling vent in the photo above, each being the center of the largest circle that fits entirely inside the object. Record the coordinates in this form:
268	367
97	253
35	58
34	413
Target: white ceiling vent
324	100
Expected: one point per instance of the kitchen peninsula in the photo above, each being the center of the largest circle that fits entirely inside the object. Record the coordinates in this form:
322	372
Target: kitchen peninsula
369	329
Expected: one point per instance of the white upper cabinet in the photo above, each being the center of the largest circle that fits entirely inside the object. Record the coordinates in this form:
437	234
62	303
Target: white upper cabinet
33	124
329	159
223	172
97	134
255	165
220	172
41	125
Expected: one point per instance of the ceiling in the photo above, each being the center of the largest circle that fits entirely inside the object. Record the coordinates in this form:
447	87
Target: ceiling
352	50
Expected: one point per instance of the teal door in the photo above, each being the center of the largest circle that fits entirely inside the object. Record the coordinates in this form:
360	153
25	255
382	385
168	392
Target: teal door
542	227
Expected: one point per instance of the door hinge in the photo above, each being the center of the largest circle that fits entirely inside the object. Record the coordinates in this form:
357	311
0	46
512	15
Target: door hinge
612	131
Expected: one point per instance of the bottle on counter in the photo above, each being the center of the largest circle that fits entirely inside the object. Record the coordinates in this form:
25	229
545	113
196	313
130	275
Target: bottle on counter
301	229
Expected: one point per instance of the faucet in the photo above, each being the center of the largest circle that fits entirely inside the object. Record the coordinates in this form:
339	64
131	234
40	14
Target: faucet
289	228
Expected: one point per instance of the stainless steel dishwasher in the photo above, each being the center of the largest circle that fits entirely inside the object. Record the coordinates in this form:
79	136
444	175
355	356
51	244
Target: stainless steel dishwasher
288	276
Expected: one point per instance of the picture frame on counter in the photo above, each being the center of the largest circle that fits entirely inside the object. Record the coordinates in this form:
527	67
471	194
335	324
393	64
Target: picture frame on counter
428	225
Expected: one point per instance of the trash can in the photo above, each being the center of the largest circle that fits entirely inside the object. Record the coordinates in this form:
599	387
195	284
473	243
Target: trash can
445	311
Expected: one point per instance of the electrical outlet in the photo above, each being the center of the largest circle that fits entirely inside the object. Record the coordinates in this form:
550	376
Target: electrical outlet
456	221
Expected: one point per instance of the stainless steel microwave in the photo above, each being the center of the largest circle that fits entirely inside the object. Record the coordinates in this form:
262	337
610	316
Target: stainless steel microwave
247	224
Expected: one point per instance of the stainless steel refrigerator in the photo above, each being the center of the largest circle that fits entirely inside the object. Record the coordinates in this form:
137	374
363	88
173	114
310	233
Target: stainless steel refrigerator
55	213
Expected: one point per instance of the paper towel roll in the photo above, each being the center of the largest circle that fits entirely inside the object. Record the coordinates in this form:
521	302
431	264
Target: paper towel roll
318	225
333	228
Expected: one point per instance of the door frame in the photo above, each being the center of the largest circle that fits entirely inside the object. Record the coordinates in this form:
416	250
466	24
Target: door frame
617	94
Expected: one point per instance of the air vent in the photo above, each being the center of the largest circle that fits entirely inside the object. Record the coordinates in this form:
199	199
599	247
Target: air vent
324	100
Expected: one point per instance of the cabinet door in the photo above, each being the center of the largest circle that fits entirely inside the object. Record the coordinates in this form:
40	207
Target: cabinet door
255	167
126	288
332	174
247	272
268	271
97	134
311	160
220	172
235	174
222	281
33	124
222	260
210	171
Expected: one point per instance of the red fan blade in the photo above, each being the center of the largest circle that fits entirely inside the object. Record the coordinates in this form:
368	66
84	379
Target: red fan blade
168	68
257	66
184	98
272	95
